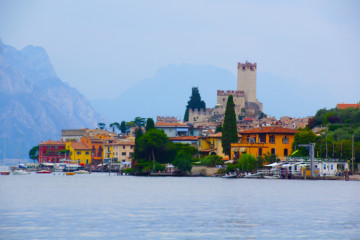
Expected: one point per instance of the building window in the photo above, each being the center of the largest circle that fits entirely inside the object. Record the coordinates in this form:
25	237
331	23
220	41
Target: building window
262	138
78	153
131	147
273	151
124	153
272	139
285	152
87	161
285	139
86	153
123	146
260	151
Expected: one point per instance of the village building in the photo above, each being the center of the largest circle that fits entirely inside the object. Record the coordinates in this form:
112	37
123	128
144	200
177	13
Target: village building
211	145
191	140
173	129
264	140
51	151
118	151
79	152
347	105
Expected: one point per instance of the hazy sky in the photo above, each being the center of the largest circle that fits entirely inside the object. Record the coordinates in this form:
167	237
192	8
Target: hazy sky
104	47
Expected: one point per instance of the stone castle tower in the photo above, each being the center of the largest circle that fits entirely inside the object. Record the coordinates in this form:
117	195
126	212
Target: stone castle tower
246	80
246	104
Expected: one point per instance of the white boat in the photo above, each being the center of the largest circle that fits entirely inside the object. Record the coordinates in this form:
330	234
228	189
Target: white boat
81	172
255	175
230	175
20	172
272	177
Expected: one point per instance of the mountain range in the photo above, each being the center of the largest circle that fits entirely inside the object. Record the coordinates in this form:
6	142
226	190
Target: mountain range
34	103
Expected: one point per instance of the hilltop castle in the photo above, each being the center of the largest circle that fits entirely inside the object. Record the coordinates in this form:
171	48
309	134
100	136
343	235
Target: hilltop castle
246	104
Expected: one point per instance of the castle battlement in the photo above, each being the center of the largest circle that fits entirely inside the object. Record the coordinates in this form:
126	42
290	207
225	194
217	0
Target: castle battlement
201	111
247	66
236	93
166	119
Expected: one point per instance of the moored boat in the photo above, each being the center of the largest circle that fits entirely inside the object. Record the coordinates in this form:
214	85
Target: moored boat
230	175
43	172
69	173
21	172
5	173
81	172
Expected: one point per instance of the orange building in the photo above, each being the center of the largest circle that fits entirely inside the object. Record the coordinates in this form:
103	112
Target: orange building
264	140
96	144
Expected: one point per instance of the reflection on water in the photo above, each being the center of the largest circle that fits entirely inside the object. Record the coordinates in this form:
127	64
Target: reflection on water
99	206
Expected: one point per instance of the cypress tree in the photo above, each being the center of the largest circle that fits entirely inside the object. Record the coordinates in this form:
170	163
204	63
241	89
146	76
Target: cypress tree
150	124
229	131
138	135
195	102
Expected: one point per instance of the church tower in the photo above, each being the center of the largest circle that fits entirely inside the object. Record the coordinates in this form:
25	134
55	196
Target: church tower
247	80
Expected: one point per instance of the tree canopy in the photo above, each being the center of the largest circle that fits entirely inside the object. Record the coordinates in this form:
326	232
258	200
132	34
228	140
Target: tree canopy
229	132
34	153
150	124
195	102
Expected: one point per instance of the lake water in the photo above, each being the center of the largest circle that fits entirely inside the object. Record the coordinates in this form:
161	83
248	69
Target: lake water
99	206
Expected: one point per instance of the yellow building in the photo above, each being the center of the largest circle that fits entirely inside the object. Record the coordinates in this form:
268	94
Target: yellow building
119	150
264	140
211	145
79	152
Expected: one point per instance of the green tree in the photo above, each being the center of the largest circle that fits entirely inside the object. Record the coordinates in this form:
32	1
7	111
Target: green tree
303	137
195	102
140	122
102	125
229	133
152	142
248	162
138	135
183	161
114	125
219	128
211	161
34	153
123	127
150	124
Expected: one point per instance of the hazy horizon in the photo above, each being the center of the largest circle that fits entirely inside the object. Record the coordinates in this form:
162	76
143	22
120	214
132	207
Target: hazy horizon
104	48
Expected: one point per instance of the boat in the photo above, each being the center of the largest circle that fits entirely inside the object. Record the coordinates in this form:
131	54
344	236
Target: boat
255	175
69	173
230	175
5	173
43	172
21	172
272	177
81	172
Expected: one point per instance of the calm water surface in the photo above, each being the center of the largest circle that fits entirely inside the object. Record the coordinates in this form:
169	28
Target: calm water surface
99	206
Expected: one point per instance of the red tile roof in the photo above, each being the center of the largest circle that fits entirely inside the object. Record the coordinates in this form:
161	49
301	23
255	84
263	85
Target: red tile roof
271	129
80	146
346	105
52	143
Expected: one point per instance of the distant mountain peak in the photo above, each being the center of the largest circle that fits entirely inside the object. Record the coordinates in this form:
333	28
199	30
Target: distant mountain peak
39	60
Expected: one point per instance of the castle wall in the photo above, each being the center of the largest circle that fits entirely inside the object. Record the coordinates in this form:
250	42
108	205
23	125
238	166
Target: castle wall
222	98
247	80
196	115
